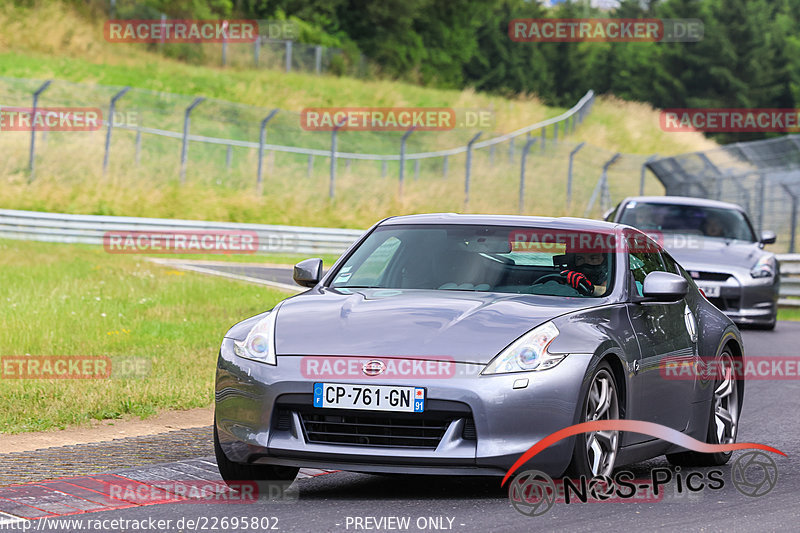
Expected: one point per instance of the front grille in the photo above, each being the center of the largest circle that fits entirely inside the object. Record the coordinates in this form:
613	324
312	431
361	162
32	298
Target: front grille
403	430
709	276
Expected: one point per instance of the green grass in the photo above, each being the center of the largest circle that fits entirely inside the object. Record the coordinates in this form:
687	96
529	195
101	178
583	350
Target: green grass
789	313
78	300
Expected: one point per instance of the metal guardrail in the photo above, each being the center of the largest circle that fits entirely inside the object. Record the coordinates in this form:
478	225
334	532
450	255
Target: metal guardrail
89	229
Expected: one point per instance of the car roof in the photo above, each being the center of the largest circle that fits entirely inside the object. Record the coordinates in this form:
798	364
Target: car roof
565	223
682	200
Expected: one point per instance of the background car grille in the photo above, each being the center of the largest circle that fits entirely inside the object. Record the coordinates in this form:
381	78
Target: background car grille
725	304
709	276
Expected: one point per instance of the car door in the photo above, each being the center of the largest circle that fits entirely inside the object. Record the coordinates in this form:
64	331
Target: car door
663	333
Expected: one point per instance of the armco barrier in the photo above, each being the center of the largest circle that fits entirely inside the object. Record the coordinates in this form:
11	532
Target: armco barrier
89	229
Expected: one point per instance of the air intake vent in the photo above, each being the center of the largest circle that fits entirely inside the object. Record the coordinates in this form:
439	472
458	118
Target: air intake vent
283	420
469	430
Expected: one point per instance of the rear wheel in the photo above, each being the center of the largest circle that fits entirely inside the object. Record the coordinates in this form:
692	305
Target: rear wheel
723	424
263	475
595	453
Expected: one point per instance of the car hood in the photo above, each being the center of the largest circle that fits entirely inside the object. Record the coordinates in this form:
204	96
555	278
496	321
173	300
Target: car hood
692	251
463	325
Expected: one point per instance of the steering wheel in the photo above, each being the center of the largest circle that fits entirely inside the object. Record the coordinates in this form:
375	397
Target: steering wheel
551	277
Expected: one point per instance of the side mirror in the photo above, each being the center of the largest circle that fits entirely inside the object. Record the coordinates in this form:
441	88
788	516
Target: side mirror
308	273
768	237
664	287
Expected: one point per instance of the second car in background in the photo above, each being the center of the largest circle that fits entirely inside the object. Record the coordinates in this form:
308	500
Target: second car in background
716	243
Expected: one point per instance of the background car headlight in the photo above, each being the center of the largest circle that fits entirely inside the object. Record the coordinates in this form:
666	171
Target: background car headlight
528	353
764	267
259	345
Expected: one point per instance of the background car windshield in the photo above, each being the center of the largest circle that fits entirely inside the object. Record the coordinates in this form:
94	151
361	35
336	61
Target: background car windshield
708	221
464	258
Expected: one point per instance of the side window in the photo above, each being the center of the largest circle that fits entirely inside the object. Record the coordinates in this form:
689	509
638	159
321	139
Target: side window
641	264
671	265
370	271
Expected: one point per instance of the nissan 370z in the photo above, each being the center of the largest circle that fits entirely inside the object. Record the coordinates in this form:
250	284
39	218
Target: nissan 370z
450	344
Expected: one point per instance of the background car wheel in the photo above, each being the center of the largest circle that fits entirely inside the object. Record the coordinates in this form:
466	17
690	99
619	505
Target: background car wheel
723	424
595	453
264	475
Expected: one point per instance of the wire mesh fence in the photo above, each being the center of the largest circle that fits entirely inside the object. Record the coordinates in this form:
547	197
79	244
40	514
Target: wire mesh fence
151	137
761	176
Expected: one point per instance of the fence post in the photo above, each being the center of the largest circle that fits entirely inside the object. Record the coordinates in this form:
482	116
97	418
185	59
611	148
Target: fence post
644	171
444	167
469	167
163	33
310	165
384	168
224	43
111	124
256	51
288	56
793	229
318	59
511	150
555	133
524	157
569	172
36	94
333	156
602	185
138	145
185	145
544	138
403	156
262	139
228	156
761	196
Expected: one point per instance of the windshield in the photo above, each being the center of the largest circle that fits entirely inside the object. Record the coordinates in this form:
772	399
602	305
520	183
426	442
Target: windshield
712	222
476	258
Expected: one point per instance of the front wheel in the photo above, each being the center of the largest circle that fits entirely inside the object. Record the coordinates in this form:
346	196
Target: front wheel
264	476
723	423
595	452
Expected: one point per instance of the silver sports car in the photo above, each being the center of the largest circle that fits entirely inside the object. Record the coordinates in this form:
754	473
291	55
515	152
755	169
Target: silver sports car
450	344
716	243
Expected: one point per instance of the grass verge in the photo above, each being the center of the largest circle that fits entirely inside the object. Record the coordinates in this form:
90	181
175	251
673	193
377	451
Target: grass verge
78	300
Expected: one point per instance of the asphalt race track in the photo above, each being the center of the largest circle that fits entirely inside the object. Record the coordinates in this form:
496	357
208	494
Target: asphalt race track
343	501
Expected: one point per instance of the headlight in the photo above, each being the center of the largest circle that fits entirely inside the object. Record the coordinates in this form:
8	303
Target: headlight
259	345
528	353
764	267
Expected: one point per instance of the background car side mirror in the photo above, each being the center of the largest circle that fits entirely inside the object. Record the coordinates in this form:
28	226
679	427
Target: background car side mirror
768	237
664	287
307	273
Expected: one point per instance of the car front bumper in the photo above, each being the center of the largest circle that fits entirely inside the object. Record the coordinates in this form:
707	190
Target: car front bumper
262	413
744	299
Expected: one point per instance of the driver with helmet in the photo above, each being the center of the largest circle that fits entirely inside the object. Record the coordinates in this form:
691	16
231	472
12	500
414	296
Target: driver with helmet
587	272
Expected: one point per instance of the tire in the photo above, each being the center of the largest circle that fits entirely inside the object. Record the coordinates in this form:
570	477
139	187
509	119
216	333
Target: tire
595	456
723	384
265	476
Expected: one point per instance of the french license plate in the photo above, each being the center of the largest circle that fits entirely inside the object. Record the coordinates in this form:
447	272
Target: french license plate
711	291
369	397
